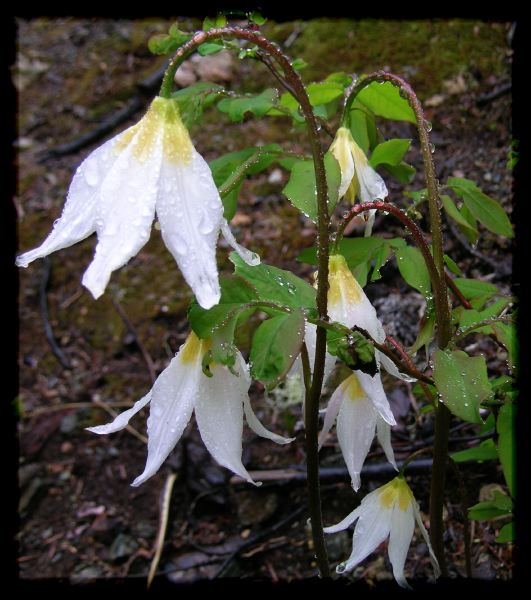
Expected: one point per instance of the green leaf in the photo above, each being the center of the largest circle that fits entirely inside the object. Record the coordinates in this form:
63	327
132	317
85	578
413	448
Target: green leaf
235	291
506	533
363	127
275	285
427	330
413	269
230	170
209	48
473	288
390	152
484	511
381	256
486	210
162	43
505	427
453	212
384	100
485	451
256	17
299	64
462	382
217	21
324	92
506	334
354	350
258	105
192	100
403	172
452	265
301	188
276	344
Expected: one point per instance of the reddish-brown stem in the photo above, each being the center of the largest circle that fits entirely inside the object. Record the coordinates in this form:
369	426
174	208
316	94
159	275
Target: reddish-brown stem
457	292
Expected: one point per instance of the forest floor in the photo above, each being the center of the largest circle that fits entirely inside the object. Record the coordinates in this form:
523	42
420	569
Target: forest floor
79	518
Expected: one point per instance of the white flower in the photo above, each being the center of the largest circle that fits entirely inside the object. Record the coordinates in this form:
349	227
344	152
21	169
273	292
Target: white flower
348	305
150	167
219	403
361	408
358	178
390	510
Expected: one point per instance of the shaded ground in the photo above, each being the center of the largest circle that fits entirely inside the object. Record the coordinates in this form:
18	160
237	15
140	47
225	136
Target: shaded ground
79	517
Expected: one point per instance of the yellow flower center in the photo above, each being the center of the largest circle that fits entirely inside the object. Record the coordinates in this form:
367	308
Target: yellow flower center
396	492
193	349
343	285
161	122
353	388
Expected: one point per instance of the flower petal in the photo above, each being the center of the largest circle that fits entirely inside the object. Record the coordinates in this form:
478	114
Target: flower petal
347	302
418	519
121	421
356	424
346	522
391	368
371	185
125	210
383	433
78	219
173	397
189	210
369	222
371	530
252	419
251	258
219	415
332	409
340	148
374	389
402	527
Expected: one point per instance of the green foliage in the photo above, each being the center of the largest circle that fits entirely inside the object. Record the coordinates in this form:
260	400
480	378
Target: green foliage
506	533
500	506
276	344
384	100
167	43
486	210
413	269
452	265
301	188
475	288
230	170
427	329
353	349
210	48
462	382
276	285
361	254
390	152
363	127
468	227
505	426
219	20
192	100
485	451
258	105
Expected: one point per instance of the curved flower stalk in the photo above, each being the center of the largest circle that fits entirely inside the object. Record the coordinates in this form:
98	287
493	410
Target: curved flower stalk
360	406
358	178
219	403
348	305
389	511
150	167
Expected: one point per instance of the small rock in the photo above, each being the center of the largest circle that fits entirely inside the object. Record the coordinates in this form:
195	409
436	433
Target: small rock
276	176
85	574
122	546
435	100
68	423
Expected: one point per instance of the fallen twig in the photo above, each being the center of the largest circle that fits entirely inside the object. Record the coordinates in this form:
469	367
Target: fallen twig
43	303
132	330
137	102
163	524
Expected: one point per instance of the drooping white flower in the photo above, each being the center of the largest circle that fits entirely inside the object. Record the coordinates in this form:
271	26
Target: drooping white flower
389	511
361	408
358	178
219	403
310	338
150	167
348	305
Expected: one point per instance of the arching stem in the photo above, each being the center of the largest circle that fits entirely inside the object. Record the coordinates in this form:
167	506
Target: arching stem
297	89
